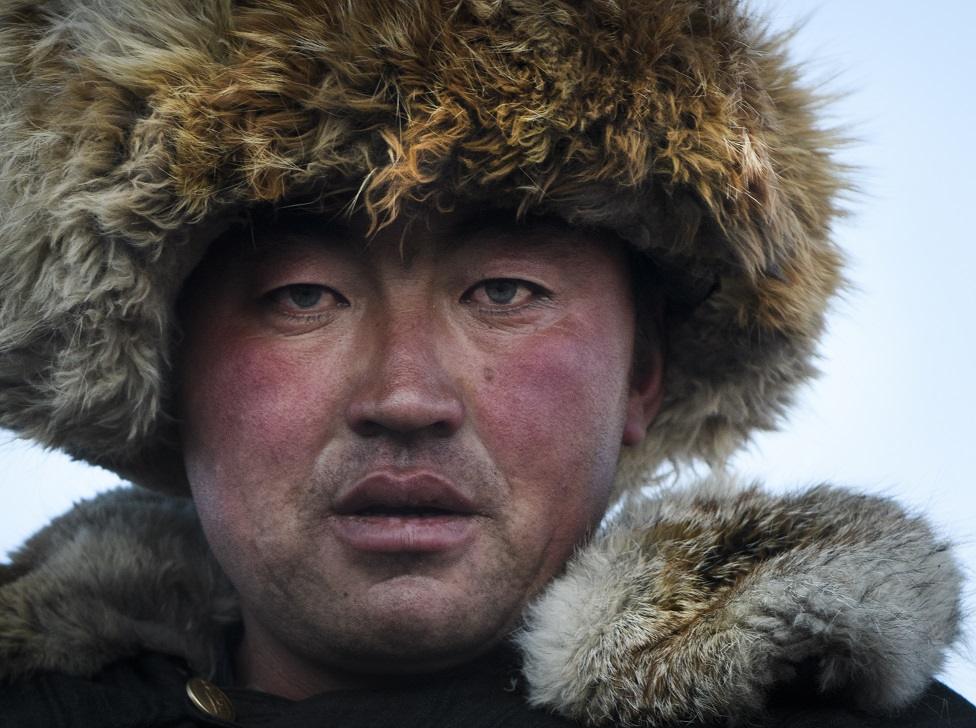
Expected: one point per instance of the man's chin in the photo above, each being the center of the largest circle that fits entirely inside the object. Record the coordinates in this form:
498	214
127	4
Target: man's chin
415	624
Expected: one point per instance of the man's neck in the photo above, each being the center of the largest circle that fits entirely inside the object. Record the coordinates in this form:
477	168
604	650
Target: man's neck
262	663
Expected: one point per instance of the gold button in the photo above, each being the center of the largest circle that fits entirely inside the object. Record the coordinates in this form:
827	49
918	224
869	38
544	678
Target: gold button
210	699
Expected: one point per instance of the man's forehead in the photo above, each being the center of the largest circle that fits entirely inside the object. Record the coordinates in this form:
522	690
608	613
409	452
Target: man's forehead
493	230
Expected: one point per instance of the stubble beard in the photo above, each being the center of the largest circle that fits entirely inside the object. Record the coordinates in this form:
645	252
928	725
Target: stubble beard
390	613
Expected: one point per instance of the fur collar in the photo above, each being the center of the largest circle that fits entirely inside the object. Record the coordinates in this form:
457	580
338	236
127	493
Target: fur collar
690	605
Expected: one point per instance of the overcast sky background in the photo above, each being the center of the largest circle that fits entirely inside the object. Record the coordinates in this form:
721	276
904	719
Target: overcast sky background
894	410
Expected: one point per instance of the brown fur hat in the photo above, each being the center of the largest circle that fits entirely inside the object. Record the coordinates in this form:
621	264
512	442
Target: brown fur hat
132	133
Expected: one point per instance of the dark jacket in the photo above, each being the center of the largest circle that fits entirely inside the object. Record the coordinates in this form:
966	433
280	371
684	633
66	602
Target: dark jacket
711	605
151	691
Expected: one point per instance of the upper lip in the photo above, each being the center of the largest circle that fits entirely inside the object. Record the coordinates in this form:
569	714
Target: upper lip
404	490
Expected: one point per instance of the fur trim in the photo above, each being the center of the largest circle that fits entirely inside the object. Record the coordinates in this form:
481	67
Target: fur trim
693	605
130	133
125	572
690	606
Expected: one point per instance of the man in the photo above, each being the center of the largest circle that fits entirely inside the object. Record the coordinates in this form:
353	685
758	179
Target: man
407	296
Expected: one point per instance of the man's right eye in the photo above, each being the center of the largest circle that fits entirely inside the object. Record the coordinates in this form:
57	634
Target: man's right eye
307	298
305	295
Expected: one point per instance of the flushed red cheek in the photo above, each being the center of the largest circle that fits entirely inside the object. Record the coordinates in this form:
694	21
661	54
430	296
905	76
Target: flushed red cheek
552	404
256	397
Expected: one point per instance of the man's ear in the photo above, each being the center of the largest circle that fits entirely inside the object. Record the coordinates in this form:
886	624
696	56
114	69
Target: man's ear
646	394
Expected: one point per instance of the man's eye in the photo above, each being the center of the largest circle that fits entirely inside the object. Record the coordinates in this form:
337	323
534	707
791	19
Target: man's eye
304	295
502	292
307	297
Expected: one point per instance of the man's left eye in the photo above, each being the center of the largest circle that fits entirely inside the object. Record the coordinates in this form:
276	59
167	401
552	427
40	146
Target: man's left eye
502	292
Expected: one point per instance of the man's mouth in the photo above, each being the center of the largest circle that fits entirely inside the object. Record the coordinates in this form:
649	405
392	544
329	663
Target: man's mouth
420	512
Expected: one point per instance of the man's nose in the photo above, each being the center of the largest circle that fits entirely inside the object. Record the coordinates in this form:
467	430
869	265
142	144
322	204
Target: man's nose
406	390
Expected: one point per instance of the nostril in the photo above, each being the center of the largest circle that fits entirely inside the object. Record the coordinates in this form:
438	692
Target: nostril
442	429
367	428
402	428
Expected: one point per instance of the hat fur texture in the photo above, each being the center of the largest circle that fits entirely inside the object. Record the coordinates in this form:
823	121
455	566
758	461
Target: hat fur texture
132	133
690	607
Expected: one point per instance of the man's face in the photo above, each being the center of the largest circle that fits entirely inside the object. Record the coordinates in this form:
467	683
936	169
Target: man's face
393	446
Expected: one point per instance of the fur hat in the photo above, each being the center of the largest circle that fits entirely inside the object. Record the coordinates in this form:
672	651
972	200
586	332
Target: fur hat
132	133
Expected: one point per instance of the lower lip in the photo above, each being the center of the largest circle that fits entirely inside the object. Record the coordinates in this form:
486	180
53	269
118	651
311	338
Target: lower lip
404	534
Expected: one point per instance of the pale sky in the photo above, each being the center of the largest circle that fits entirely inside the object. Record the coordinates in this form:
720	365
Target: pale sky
894	410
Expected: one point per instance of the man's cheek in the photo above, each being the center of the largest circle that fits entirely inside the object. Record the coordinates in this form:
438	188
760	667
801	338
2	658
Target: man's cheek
252	428
543	402
271	395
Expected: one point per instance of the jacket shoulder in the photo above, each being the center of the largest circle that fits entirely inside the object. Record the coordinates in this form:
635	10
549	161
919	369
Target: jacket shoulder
147	690
126	572
938	707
